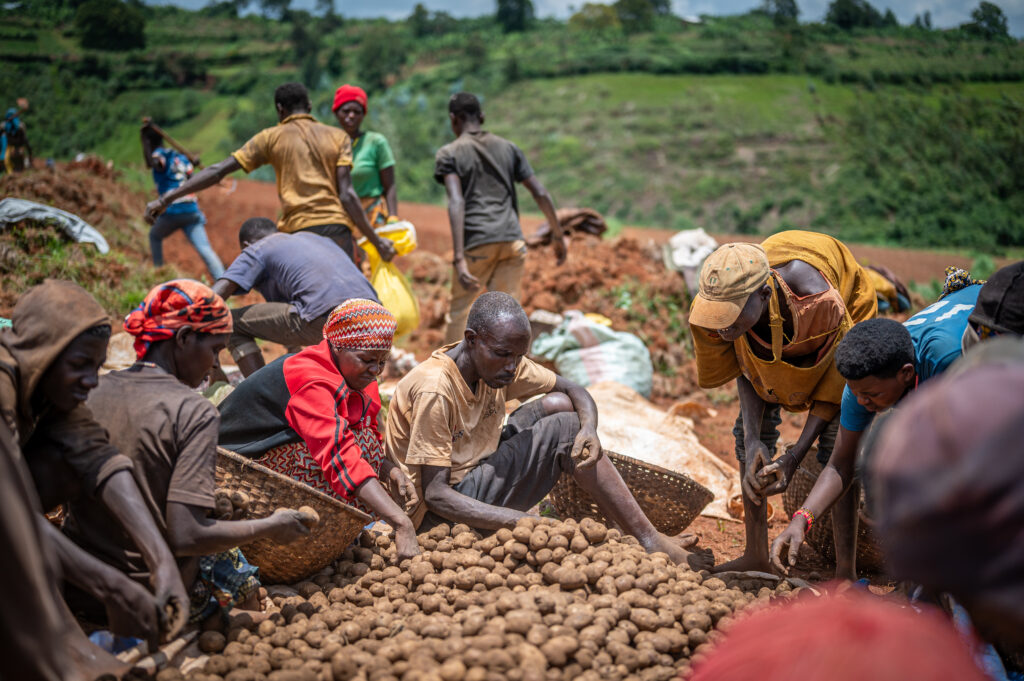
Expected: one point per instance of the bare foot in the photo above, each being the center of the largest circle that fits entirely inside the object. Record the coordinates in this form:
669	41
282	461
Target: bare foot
687	540
695	560
746	563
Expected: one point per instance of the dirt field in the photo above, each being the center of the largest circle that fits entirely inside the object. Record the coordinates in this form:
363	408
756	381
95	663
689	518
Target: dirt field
227	207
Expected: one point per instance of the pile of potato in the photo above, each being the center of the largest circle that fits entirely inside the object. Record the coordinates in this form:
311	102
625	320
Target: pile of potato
544	601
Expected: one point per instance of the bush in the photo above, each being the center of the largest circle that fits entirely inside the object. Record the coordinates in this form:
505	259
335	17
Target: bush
110	25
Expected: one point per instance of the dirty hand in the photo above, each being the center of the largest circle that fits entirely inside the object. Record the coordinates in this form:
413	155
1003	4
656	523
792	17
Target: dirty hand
586	450
153	210
757	458
406	545
386	249
468	281
401	483
133	611
783	468
171	600
792	535
560	250
287	526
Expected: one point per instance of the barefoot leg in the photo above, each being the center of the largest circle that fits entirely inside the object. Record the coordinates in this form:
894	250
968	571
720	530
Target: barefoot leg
755	553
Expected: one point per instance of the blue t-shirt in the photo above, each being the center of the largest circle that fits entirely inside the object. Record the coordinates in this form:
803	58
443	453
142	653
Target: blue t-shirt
177	169
937	332
307	270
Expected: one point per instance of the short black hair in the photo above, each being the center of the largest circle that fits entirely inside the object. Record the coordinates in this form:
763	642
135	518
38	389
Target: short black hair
464	105
254	229
876	347
493	308
292	97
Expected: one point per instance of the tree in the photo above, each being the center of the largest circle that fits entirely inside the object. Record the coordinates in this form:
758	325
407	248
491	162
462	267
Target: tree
989	22
419	20
889	19
636	16
381	54
514	15
596	18
782	12
663	8
850	14
110	25
275	8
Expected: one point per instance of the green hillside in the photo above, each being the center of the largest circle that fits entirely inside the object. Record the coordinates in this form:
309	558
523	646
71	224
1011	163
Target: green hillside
887	134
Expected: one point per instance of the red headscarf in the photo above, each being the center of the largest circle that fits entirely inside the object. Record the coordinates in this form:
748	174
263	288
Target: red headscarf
172	305
852	637
360	324
349	93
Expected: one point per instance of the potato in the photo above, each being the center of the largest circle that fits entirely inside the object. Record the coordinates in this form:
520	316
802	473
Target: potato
558	649
212	642
570	578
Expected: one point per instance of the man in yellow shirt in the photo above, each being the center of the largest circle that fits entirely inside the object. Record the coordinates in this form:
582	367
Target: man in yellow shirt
313	164
445	431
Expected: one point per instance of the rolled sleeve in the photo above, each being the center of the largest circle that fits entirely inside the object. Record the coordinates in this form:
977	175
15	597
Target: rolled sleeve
430	433
253	153
444	165
246	269
521	169
385	157
531	379
313	412
344	153
193	480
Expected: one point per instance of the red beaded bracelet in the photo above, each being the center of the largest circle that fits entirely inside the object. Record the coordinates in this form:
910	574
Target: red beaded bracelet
807	515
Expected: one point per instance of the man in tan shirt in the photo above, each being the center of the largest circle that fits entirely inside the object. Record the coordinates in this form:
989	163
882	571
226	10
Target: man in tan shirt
445	430
313	164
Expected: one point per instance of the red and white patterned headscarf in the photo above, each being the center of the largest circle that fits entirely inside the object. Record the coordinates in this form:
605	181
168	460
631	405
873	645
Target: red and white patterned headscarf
360	324
172	305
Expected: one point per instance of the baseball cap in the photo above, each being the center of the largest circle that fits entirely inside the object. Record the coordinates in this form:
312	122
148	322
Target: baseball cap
1000	304
727	279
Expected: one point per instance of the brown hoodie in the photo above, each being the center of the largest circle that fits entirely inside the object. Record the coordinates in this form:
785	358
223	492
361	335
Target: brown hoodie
68	453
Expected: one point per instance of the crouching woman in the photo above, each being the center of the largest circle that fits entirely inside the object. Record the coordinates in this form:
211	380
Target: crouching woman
169	431
313	417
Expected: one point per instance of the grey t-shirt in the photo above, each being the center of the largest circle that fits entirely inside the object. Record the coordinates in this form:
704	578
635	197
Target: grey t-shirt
488	167
307	270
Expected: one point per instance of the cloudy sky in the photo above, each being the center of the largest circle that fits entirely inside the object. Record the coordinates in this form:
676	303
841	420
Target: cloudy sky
945	13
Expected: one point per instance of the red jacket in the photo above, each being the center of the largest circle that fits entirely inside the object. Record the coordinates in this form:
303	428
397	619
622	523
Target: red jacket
304	397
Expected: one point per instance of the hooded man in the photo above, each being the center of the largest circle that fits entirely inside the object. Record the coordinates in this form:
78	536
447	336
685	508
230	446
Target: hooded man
49	361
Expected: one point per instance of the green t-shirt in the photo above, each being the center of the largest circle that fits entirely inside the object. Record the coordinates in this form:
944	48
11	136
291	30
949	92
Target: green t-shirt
371	154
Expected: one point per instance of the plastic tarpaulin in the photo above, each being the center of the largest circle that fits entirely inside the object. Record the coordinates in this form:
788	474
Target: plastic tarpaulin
15	210
630	425
588	352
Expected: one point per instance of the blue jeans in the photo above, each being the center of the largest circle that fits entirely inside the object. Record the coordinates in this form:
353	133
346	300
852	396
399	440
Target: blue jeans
194	226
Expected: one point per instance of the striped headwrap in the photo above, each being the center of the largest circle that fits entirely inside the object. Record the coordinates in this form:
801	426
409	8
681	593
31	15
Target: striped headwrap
360	324
172	305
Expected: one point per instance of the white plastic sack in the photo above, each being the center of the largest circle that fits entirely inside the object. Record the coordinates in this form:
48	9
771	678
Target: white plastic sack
685	252
587	352
15	210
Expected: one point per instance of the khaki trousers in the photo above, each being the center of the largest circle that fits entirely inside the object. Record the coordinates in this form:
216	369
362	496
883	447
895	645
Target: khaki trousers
276	322
499	267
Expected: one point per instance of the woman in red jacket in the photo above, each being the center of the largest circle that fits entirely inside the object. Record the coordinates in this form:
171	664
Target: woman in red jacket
313	417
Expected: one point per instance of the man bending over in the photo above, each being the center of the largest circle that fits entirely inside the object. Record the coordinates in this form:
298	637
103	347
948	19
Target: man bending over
301	276
445	429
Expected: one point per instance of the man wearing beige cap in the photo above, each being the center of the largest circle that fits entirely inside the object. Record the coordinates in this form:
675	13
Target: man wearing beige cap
770	317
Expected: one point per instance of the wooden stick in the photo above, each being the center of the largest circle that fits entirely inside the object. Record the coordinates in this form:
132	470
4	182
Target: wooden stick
173	142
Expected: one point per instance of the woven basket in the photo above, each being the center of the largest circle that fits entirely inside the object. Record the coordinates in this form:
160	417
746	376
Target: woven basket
269	490
869	552
670	500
